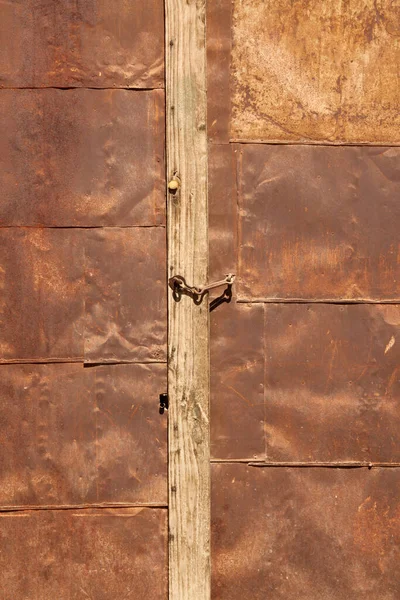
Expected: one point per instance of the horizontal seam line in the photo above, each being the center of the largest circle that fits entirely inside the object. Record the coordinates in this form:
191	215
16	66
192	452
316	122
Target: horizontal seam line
300	464
67	88
317	301
81	361
82	226
309	143
61	507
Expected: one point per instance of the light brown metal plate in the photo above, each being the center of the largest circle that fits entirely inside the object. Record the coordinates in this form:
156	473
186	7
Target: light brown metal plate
319	222
42	286
125	295
78	436
84	43
315	71
332	382
82	157
304	534
93	554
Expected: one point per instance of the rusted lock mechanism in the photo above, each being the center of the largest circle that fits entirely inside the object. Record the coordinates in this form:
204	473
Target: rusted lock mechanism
179	287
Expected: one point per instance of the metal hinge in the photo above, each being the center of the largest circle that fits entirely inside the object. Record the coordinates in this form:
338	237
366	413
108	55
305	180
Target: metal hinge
179	286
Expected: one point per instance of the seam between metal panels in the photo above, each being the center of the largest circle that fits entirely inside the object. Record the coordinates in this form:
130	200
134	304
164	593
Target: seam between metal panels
317	301
306	465
61	507
82	227
308	143
66	361
67	87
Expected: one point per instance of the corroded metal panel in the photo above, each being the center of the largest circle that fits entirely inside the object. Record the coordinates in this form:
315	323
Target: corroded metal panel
41	282
125	295
237	381
332	382
219	43
82	157
316	71
80	436
96	554
84	43
237	341
319	222
305	533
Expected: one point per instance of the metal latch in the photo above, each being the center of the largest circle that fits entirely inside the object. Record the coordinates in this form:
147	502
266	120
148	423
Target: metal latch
163	403
179	286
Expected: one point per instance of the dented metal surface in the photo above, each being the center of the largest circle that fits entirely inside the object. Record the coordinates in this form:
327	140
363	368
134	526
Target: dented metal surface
42	294
84	43
82	158
81	436
77	554
319	223
315	71
305	533
125	302
332	383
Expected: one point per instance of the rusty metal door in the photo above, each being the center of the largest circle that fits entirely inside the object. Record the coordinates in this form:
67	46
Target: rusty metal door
83	310
304	206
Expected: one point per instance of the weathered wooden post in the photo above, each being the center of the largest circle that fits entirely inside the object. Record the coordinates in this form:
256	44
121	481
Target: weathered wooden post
188	345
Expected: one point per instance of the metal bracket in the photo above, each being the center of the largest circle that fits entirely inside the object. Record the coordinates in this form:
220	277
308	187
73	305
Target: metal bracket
179	286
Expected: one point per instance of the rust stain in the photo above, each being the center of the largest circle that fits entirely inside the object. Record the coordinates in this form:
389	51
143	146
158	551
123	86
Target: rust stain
95	554
70	438
309	71
305	533
331	391
91	43
125	303
318	223
82	158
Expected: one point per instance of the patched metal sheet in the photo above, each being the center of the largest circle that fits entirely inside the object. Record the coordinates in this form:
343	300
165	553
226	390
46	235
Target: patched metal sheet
82	157
42	287
319	222
315	71
332	382
96	554
76	436
305	533
84	43
126	315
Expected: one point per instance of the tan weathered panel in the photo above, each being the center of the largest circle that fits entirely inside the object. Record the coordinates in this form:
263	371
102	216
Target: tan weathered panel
77	436
82	157
82	43
305	534
332	383
316	71
42	286
125	295
319	222
95	554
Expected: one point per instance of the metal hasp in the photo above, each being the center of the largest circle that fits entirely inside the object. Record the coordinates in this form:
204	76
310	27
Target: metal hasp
179	286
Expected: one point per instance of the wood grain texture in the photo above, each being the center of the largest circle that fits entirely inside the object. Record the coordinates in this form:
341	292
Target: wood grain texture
188	345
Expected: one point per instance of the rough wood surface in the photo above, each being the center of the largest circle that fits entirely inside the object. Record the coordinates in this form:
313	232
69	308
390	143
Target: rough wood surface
188	346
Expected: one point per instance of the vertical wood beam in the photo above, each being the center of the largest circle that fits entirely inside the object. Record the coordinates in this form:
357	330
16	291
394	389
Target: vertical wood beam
188	343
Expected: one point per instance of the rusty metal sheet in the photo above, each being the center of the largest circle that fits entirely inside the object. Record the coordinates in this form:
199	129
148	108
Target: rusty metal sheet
95	44
82	157
101	554
237	382
125	301
305	533
219	43
332	382
74	436
319	222
237	342
315	71
41	282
